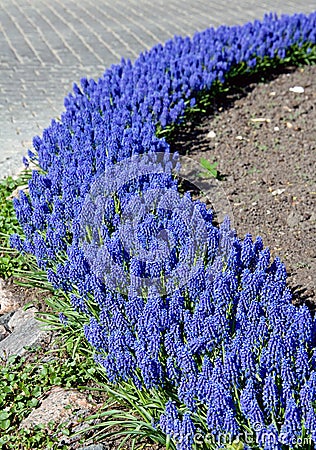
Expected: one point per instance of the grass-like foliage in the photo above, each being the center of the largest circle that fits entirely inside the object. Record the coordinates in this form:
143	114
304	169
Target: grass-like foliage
192	327
25	381
10	259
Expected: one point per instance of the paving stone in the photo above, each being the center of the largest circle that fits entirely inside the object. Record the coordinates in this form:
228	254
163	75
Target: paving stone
46	46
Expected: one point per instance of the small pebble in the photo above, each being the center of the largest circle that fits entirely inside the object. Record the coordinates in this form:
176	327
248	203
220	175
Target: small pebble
277	191
94	447
297	89
211	134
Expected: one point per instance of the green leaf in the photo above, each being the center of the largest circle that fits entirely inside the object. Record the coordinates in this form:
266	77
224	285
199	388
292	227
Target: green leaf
10	376
44	371
32	403
28	306
4	415
235	446
210	167
6	389
56	380
207	165
26	391
4	424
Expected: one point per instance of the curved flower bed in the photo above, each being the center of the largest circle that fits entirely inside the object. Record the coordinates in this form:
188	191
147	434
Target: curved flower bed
173	306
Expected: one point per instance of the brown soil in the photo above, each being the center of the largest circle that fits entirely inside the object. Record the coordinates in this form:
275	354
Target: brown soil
263	136
25	295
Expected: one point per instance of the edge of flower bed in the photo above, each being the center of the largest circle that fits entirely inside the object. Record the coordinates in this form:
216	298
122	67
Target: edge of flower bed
86	94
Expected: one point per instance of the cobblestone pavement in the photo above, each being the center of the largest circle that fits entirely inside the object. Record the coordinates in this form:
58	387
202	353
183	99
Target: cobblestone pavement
48	45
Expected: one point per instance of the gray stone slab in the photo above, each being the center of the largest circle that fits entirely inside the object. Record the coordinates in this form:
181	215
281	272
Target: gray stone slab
4	319
27	333
3	332
21	317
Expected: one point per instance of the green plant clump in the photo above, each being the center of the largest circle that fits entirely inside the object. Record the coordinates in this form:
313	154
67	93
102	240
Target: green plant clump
24	381
10	259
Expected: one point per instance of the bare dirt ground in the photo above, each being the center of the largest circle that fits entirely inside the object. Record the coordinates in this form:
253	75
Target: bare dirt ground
263	136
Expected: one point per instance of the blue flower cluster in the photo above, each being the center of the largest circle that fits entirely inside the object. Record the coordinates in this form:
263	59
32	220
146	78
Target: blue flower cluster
139	232
179	303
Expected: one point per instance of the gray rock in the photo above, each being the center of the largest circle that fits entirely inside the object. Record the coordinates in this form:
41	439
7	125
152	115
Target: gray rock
59	406
4	319
3	332
29	332
312	218
20	317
